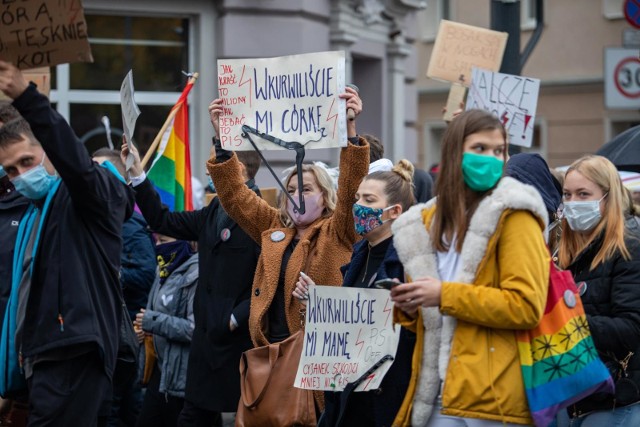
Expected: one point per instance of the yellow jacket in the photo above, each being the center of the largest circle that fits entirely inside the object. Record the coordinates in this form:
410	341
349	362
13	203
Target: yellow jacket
501	287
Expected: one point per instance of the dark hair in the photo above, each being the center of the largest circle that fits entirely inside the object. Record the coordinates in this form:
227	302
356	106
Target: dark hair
7	113
251	161
398	184
15	131
376	149
113	156
456	203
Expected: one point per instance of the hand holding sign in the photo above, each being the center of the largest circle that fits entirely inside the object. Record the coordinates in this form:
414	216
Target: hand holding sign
12	82
130	112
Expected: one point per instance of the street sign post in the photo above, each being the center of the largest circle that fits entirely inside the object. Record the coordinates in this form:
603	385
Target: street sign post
621	79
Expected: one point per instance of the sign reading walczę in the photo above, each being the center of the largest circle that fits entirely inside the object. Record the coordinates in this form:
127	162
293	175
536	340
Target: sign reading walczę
347	331
513	99
41	33
293	98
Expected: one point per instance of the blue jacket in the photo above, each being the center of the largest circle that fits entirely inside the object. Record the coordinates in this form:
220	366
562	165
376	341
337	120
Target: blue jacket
139	264
382	404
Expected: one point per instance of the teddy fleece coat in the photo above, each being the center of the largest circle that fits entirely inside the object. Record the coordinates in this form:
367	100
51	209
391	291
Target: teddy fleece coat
324	248
469	341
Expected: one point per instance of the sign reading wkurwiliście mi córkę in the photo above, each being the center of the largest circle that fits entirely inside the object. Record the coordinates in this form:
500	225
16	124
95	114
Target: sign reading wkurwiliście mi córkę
42	33
347	331
293	98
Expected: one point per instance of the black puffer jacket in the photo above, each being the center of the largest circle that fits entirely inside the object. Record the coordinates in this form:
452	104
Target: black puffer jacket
612	303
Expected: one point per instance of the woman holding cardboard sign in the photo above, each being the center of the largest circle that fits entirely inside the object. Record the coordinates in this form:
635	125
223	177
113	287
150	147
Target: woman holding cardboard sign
317	242
380	200
481	269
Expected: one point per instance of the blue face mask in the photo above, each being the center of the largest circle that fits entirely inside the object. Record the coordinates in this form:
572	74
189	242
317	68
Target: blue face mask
35	183
2	172
211	186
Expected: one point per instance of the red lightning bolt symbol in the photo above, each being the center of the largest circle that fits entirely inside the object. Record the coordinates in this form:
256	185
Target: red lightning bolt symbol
242	83
74	8
359	342
334	117
387	310
369	378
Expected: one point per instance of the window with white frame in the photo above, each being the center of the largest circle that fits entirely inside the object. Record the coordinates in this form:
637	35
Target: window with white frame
155	48
527	14
430	17
613	9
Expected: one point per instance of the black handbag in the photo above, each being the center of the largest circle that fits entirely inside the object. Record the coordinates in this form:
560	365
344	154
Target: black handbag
128	349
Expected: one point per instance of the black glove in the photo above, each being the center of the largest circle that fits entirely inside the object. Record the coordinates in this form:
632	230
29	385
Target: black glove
355	140
222	155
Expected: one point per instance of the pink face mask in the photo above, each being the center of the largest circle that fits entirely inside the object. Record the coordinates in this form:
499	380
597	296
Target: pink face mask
313	210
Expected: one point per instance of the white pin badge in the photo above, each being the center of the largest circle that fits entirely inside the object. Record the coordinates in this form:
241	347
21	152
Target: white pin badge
569	298
277	236
225	234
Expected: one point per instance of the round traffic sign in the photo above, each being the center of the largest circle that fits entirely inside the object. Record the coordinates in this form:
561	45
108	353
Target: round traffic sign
632	12
627	77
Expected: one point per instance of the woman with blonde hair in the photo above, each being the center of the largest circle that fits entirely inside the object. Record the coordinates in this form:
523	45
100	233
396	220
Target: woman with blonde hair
600	245
317	242
381	198
480	269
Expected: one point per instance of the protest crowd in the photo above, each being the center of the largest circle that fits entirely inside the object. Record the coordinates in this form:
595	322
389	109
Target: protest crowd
506	293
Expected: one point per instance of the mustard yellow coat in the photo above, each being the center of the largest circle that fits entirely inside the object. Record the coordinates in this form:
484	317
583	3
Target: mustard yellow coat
502	287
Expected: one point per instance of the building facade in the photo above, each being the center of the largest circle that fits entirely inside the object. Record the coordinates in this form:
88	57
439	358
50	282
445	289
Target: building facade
160	39
571	118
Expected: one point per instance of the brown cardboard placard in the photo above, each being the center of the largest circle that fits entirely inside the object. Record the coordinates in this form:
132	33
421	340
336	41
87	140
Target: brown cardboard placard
42	33
459	47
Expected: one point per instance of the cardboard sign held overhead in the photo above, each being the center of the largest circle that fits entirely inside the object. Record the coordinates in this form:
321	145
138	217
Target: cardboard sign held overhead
41	33
459	47
293	98
511	98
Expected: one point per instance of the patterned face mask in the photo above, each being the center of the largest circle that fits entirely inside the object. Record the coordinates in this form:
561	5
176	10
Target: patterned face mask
367	219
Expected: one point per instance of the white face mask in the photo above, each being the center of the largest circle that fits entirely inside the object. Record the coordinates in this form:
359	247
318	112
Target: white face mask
583	215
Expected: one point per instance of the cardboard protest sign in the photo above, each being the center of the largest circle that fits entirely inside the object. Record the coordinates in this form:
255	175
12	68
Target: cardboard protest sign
293	98
459	47
130	112
40	76
511	98
347	331
38	33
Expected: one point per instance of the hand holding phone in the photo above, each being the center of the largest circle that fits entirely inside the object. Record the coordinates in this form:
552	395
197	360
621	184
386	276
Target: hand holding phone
385	284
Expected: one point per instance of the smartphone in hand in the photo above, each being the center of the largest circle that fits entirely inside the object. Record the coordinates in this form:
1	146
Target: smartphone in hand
385	284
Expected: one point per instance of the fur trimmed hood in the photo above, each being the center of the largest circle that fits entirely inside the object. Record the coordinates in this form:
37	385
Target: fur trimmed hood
417	253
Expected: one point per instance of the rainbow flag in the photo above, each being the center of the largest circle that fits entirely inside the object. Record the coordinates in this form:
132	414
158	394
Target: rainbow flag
171	168
560	364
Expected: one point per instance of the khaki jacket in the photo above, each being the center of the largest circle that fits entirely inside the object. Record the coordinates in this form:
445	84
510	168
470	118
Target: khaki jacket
502	287
325	247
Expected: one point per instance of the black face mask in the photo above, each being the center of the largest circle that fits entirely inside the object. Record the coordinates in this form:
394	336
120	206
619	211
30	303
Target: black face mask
171	256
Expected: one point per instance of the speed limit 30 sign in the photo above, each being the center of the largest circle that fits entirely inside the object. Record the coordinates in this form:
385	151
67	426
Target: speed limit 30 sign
621	78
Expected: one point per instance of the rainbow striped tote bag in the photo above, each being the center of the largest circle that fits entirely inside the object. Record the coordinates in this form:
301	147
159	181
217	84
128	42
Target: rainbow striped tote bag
560	364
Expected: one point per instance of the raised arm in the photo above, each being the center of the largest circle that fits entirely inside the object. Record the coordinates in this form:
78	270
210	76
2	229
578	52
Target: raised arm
244	206
354	165
92	187
180	225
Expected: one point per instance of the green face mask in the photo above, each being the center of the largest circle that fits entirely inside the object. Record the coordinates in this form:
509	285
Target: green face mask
481	173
